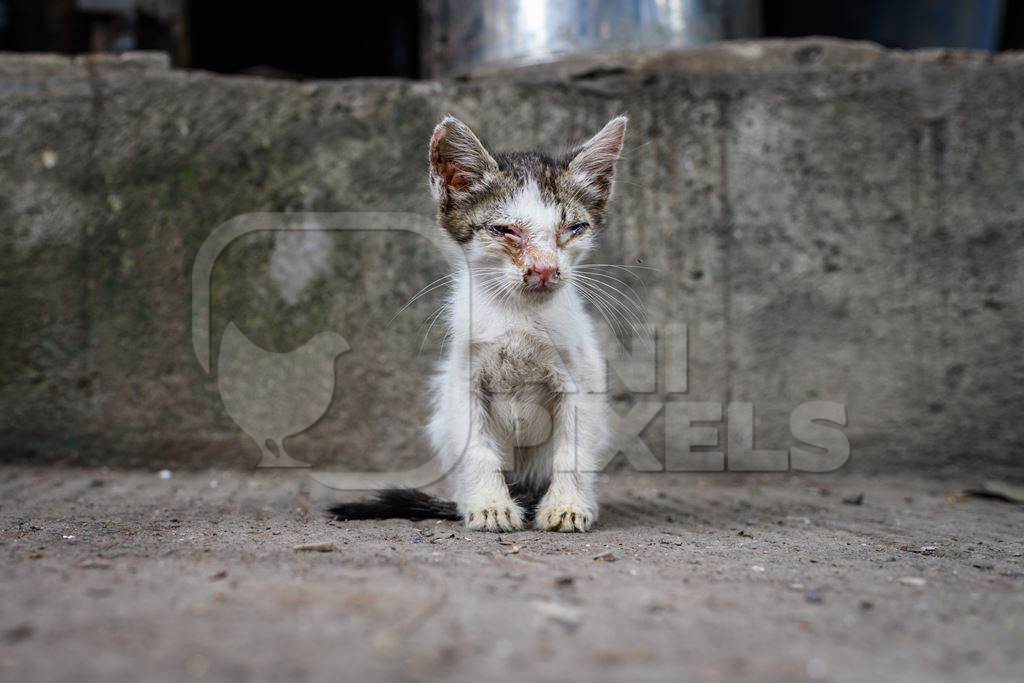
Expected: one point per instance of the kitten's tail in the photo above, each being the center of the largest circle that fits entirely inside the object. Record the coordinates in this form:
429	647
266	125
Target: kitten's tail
414	504
398	504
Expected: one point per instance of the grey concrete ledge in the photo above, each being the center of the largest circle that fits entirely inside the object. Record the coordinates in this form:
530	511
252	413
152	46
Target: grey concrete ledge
728	56
832	221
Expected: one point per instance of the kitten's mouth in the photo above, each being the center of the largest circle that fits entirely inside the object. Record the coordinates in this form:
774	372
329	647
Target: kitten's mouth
541	290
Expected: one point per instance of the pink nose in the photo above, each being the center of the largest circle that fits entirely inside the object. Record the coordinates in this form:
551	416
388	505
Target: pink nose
542	276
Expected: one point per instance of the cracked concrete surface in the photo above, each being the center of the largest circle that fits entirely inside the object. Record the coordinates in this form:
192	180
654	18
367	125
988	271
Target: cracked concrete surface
111	575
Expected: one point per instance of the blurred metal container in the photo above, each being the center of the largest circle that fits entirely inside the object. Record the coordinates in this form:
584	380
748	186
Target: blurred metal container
460	36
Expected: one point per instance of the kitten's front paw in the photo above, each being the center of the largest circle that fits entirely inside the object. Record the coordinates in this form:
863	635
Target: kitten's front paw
494	516
564	516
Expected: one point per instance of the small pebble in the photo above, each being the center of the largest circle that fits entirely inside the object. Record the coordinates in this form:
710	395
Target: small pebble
314	548
567	615
916	581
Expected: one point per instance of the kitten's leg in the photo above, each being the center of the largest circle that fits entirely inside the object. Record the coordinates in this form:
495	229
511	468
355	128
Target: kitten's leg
570	503
475	459
464	436
481	492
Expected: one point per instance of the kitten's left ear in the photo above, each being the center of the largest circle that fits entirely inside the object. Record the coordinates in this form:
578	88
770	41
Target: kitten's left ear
594	161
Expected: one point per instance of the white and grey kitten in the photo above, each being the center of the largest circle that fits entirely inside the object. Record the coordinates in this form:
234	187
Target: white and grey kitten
519	412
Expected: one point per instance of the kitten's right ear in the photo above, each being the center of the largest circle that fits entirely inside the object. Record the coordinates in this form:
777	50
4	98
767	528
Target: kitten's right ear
458	160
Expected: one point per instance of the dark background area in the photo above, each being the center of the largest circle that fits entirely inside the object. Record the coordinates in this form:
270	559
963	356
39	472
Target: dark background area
299	39
315	40
306	39
906	24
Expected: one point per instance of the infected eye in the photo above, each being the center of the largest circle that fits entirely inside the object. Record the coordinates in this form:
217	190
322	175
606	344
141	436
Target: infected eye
506	231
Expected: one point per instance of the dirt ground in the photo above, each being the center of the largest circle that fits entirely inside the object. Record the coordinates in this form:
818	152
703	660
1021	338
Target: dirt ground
126	576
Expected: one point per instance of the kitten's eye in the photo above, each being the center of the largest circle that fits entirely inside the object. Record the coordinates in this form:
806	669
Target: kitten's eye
578	228
505	231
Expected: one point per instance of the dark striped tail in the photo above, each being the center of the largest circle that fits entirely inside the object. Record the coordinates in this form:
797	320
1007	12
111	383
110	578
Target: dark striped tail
398	504
414	504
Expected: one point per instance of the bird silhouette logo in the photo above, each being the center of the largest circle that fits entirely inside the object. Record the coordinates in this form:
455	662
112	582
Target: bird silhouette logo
271	395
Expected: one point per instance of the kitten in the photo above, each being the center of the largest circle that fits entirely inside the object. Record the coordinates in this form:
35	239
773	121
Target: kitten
519	416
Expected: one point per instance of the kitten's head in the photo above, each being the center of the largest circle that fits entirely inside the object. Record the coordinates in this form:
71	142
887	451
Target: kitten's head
522	218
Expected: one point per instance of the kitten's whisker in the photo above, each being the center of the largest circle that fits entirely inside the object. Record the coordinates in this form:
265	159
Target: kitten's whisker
613	316
590	276
628	270
618	265
505	292
634	307
492	290
636	313
434	317
603	311
628	312
439	282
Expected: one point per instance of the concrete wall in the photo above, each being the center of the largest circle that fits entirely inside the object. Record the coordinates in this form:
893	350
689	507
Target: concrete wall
832	220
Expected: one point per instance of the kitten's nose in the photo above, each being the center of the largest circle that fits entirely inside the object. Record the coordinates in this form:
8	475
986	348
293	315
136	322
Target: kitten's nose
542	276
